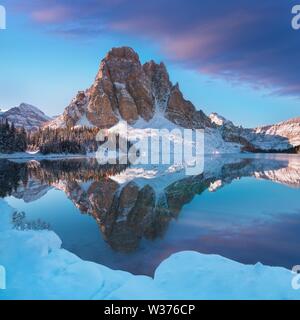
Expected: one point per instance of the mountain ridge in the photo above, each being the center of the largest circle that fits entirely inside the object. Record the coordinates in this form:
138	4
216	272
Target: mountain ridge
25	116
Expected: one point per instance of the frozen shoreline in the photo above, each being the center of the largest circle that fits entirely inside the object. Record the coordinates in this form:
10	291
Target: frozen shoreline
38	268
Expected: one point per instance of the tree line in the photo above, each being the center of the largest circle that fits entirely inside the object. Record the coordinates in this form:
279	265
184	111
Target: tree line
48	140
12	139
64	140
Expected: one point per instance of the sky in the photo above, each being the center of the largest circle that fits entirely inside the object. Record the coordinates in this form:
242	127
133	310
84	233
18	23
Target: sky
239	58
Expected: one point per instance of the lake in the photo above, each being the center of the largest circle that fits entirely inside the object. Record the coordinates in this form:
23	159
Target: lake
243	207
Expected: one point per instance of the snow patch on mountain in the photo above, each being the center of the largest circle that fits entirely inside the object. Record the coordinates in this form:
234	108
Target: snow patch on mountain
219	120
84	122
57	122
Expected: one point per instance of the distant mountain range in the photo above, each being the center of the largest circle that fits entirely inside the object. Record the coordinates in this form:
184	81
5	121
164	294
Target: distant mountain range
26	116
144	97
282	136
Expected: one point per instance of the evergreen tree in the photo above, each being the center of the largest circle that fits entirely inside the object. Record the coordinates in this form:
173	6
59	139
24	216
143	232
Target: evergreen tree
12	139
64	140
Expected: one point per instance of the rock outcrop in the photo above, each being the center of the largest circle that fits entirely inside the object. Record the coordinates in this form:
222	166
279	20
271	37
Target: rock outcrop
184	113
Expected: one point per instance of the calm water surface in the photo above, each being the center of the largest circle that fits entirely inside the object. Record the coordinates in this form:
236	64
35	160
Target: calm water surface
244	208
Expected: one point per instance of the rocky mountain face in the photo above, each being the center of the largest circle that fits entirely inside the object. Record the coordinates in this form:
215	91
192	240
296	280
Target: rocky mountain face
124	89
284	136
26	116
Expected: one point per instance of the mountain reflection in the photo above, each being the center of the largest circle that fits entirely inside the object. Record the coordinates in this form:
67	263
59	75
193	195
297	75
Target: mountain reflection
127	205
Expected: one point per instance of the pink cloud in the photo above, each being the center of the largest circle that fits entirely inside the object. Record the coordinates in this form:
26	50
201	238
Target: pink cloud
51	14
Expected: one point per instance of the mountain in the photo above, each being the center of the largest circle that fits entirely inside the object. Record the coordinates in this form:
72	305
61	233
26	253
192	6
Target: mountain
124	89
289	129
220	121
2	111
284	136
25	115
144	97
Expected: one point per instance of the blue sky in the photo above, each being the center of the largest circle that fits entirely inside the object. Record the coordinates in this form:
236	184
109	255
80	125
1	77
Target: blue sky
239	58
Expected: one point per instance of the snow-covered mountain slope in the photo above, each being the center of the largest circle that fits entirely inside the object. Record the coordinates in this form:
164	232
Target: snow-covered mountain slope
2	111
26	116
284	136
289	129
219	120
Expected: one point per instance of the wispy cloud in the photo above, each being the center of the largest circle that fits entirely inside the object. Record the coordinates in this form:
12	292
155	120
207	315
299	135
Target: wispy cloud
57	14
243	40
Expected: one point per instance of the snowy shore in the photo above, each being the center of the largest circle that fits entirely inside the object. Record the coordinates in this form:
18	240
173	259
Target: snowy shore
38	268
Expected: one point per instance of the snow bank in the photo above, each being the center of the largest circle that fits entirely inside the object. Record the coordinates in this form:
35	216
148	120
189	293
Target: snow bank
37	268
191	275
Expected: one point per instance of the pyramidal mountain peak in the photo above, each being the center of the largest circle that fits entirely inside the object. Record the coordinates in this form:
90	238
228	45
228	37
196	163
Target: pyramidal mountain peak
124	89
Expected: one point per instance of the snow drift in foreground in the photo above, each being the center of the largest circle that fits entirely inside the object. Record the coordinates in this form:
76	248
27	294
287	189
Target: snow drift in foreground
38	268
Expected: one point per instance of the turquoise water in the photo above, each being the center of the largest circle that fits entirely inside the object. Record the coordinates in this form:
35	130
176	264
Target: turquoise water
231	211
